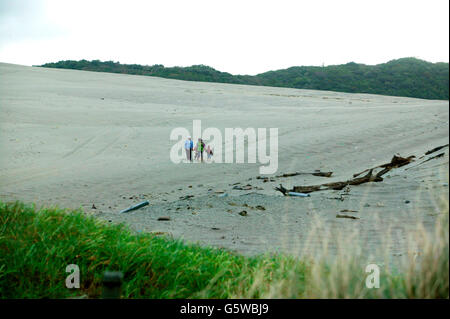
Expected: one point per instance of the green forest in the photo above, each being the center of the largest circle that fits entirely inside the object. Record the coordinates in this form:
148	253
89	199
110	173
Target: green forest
408	77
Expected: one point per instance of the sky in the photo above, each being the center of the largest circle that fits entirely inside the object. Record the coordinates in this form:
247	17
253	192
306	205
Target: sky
239	37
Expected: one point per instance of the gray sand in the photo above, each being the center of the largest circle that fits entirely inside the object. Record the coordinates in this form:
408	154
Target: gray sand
74	138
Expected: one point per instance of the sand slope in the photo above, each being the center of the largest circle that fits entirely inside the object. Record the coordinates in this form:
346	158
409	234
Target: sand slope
75	138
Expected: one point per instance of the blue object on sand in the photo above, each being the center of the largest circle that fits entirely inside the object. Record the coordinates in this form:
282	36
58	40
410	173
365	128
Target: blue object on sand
137	206
298	194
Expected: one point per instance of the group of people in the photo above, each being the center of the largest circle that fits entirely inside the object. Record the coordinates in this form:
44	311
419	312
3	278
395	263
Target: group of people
198	149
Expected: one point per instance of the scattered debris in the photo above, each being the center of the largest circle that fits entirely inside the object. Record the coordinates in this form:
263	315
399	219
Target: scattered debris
137	206
186	197
348	211
341	198
260	207
243	213
346	216
266	179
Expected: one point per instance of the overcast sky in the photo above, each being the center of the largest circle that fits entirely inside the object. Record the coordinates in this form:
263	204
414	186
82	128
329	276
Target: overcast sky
240	37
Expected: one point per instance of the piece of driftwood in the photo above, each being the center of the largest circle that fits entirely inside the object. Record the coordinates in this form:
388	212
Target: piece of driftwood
282	189
436	149
346	216
384	171
316	173
306	189
436	156
396	161
186	197
366	178
428	159
324	174
336	185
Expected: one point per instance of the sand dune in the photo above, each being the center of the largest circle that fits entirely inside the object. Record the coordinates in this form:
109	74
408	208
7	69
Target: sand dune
74	138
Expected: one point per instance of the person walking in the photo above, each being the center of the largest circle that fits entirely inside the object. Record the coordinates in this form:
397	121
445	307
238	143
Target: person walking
200	147
209	152
188	148
191	144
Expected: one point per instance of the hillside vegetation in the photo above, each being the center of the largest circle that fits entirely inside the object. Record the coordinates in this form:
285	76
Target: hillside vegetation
408	77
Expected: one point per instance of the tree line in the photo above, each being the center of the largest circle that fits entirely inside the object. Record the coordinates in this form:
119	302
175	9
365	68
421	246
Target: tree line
409	77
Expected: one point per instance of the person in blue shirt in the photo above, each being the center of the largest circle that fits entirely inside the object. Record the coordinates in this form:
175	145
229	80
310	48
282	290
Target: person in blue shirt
188	146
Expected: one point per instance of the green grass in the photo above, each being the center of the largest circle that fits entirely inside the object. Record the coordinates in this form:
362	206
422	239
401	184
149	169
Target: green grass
37	245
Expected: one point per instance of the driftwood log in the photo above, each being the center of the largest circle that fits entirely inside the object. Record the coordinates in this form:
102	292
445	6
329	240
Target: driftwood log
317	173
397	161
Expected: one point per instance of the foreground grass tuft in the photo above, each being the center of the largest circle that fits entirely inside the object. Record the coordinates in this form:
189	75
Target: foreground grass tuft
36	246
